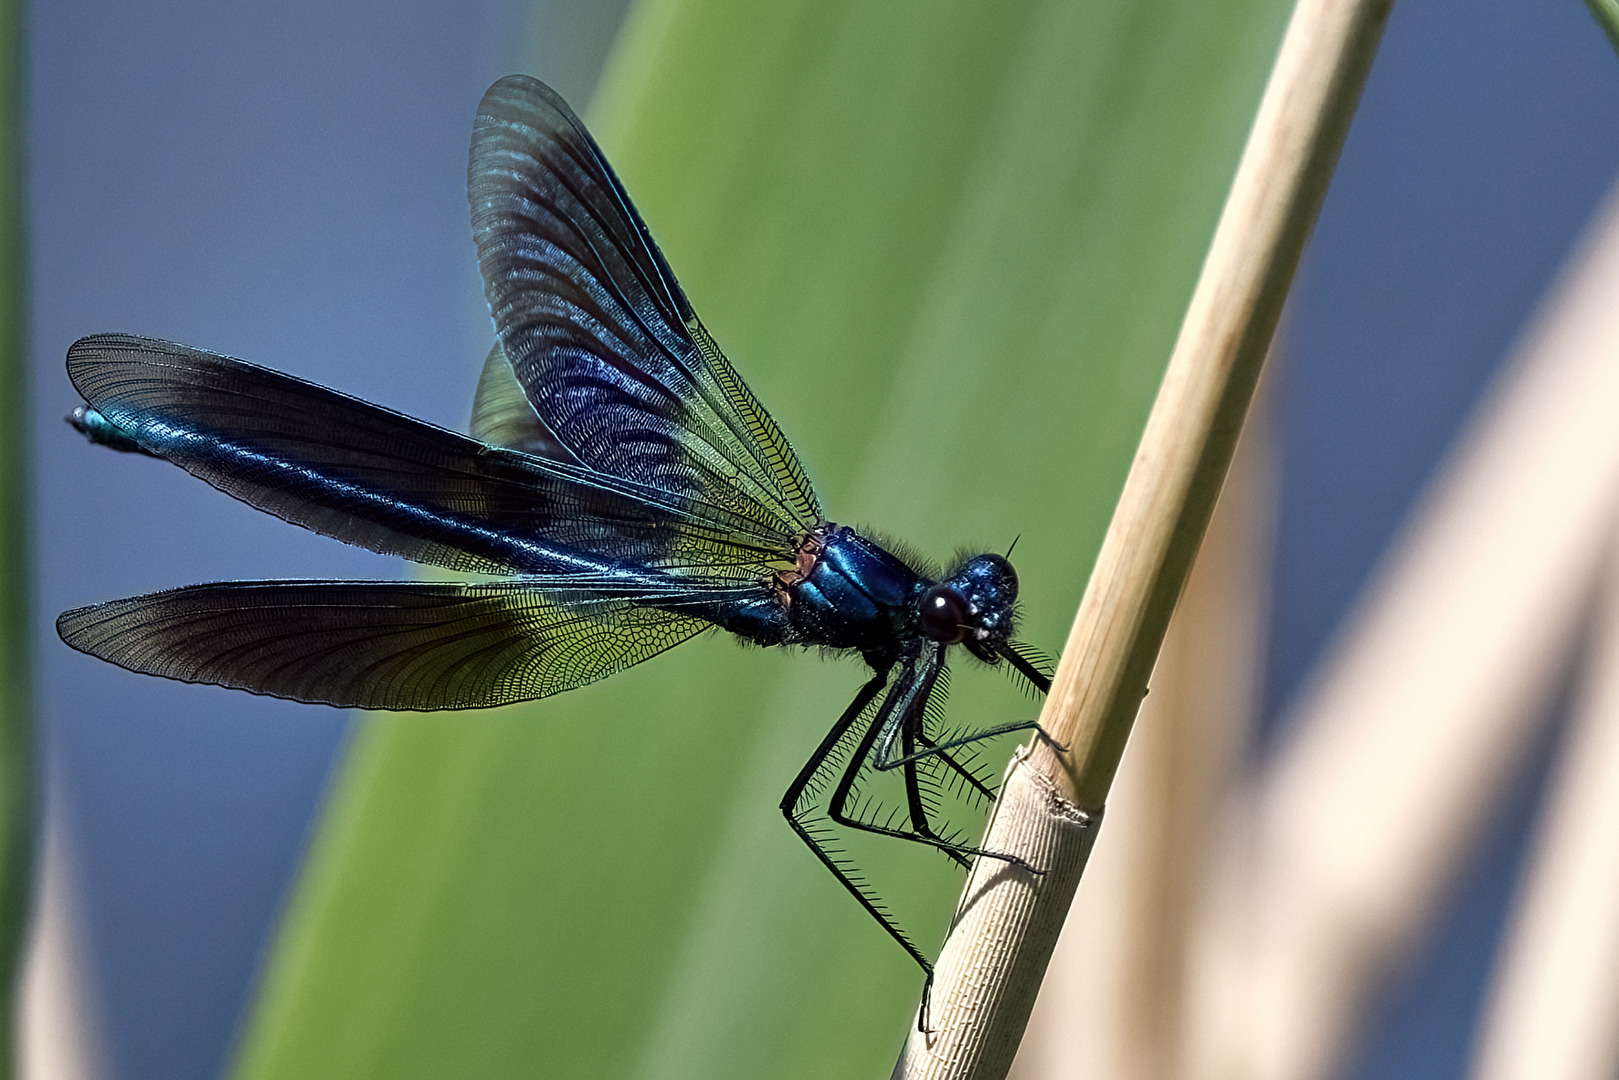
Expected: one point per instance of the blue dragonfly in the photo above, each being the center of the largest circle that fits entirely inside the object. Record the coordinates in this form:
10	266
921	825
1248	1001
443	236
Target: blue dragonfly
621	481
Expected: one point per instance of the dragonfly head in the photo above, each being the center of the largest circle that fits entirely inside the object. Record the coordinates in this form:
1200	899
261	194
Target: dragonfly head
973	607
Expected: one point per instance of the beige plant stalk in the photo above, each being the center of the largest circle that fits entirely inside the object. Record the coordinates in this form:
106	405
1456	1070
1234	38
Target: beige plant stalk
1553	1012
1113	1001
1008	920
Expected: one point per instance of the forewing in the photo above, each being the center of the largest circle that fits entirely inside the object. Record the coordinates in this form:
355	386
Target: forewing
375	644
376	478
597	330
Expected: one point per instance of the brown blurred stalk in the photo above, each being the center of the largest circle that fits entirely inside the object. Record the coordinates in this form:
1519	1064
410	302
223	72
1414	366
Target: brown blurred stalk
1428	703
1008	921
1553	1011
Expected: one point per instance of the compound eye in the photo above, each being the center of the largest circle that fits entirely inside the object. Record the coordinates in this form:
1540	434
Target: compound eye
944	614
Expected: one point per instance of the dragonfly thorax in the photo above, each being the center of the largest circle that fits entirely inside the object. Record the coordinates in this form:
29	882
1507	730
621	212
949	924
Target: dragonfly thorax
853	594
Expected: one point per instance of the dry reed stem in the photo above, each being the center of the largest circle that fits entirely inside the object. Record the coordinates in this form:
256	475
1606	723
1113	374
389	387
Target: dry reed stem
1192	431
1553	1010
1111	1005
1427	703
997	954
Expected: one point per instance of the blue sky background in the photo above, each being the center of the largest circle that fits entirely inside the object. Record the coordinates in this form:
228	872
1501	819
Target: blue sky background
285	182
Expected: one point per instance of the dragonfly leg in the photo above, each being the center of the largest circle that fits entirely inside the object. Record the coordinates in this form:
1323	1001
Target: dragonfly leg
837	807
961	854
956	767
922	832
1041	682
932	749
794	809
1051	740
915	803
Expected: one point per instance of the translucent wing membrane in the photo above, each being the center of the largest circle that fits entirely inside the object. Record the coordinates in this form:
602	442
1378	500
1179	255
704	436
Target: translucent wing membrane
382	480
597	331
374	644
502	416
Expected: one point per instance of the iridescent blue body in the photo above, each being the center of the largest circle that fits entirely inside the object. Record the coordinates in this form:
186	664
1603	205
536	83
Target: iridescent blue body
620	479
855	596
103	432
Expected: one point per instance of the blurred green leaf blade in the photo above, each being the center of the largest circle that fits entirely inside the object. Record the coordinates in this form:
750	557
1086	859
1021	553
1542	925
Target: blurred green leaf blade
949	246
16	699
1606	13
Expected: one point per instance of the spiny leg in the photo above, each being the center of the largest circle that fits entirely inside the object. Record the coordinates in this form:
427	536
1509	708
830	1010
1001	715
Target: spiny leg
956	767
934	748
835	810
1038	679
1041	682
958	852
979	786
795	793
837	807
913	795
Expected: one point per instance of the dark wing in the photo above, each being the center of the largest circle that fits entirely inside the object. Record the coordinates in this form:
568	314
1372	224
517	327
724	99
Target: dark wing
382	480
599	334
502	416
375	644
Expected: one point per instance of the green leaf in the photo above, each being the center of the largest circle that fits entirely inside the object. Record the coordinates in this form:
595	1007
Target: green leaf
16	761
949	245
1606	13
